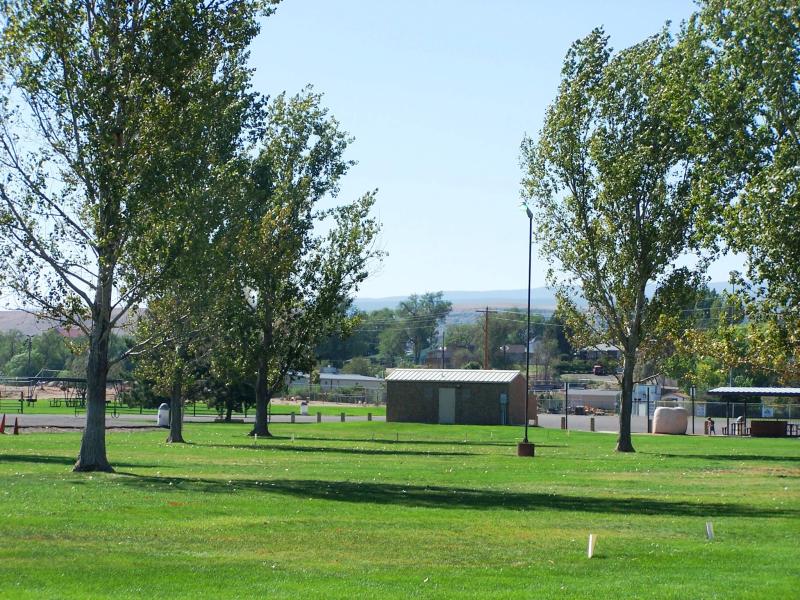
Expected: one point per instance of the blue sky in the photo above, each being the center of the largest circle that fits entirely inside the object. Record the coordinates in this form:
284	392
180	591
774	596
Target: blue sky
438	96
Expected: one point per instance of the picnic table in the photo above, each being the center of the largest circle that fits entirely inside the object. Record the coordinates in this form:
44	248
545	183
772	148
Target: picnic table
736	428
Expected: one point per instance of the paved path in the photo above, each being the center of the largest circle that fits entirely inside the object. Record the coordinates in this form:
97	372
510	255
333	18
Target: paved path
608	424
129	421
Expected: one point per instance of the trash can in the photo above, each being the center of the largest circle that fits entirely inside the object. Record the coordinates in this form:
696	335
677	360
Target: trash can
163	415
304	408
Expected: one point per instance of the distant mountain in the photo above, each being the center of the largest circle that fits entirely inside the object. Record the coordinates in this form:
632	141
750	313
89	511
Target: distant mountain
542	299
24	322
465	303
29	324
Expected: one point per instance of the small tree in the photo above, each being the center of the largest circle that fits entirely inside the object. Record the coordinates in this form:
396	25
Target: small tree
609	179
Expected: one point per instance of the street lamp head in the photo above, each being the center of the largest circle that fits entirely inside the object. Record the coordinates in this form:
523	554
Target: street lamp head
528	212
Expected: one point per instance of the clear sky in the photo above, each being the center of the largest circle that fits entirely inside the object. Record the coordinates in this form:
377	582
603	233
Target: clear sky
438	96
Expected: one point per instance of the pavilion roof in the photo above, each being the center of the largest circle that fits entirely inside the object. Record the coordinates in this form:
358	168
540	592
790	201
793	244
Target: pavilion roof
755	391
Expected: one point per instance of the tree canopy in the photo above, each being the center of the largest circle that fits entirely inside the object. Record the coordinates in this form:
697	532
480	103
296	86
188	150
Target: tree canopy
743	62
416	323
114	117
609	180
287	284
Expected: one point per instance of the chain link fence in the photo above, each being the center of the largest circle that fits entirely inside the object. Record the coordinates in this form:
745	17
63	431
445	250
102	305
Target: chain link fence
349	395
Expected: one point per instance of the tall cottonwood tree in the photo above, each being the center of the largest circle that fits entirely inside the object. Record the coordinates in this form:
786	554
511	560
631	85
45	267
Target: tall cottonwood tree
114	114
744	63
295	264
609	181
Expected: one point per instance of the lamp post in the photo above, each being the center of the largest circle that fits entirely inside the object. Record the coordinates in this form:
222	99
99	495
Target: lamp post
525	448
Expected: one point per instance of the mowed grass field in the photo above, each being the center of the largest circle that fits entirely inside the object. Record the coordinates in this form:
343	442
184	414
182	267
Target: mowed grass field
383	510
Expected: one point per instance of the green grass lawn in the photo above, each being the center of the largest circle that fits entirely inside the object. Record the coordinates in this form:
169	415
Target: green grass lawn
373	510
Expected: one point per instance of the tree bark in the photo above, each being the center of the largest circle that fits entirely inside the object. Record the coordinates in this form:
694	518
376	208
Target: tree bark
92	455
624	442
228	409
261	426
176	412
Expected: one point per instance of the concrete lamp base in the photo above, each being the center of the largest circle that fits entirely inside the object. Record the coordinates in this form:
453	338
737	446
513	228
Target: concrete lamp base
525	449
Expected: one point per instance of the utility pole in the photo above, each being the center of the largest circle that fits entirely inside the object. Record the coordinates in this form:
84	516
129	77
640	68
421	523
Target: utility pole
730	322
443	348
28	372
486	312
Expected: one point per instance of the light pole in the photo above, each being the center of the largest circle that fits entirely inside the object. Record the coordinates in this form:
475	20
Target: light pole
525	448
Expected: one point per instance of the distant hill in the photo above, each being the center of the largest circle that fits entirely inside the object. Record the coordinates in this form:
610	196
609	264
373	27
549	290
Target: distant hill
465	303
29	324
23	322
541	299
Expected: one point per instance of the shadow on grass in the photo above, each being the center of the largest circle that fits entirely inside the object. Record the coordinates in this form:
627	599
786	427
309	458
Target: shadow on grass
335	450
454	497
735	457
410	442
59	460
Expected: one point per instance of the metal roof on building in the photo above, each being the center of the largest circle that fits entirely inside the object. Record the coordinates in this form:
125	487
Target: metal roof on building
755	391
453	375
347	377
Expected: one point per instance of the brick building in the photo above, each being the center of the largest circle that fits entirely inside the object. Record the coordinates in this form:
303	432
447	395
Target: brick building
462	396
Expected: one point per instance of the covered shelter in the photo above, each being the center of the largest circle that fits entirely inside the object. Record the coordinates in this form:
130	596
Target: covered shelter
457	396
764	427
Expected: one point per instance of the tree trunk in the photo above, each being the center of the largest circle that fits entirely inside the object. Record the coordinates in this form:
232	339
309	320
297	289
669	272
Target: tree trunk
624	443
176	412
92	455
261	426
228	409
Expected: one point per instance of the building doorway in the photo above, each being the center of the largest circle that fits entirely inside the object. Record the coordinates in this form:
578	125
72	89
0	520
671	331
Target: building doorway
447	406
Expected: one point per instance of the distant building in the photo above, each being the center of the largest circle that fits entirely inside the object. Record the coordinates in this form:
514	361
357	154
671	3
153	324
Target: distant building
589	399
434	358
514	353
600	351
336	381
457	396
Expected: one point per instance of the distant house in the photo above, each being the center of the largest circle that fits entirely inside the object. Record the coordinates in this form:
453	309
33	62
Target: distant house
434	358
336	381
600	351
462	396
513	353
589	399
